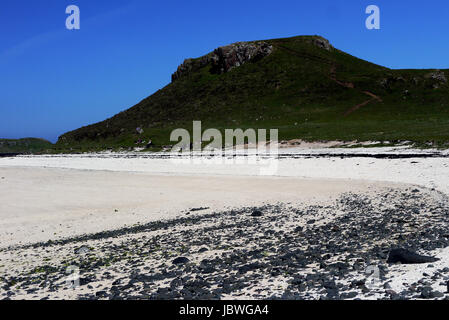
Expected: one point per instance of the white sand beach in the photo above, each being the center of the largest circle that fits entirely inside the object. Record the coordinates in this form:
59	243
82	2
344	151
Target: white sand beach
46	198
49	197
40	204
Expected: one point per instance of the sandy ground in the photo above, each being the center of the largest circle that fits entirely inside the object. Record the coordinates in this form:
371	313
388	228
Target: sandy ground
49	197
39	204
244	257
430	172
53	197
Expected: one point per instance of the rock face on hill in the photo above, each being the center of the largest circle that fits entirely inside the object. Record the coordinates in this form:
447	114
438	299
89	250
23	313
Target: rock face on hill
232	56
224	59
322	43
438	75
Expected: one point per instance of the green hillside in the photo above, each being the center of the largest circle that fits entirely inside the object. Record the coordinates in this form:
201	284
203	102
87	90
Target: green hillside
304	87
26	145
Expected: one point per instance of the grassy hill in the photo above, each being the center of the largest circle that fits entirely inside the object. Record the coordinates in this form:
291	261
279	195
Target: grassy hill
26	145
303	88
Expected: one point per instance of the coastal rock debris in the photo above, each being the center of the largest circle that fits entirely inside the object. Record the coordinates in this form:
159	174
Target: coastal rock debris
408	257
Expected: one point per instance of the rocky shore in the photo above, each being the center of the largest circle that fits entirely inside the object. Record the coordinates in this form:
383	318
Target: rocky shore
278	251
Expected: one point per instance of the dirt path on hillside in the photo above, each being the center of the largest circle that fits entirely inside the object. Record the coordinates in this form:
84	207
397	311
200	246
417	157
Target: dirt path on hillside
333	77
358	106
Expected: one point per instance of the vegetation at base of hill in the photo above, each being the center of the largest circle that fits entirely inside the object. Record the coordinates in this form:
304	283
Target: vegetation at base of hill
25	145
303	90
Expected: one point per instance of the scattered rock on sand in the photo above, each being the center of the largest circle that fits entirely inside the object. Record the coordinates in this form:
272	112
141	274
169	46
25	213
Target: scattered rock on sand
82	250
428	293
330	265
181	260
256	213
408	257
390	292
198	209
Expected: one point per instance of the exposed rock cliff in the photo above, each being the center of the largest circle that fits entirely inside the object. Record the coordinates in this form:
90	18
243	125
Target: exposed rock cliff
224	59
321	42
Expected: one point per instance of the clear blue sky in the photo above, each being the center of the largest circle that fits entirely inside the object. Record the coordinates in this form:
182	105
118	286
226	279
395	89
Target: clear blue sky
53	80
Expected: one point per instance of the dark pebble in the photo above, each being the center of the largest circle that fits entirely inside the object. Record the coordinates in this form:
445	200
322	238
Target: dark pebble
256	213
181	260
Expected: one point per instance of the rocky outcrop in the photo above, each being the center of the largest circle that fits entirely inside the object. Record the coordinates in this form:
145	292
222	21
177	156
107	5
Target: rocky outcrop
191	65
322	43
438	77
229	57
224	59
